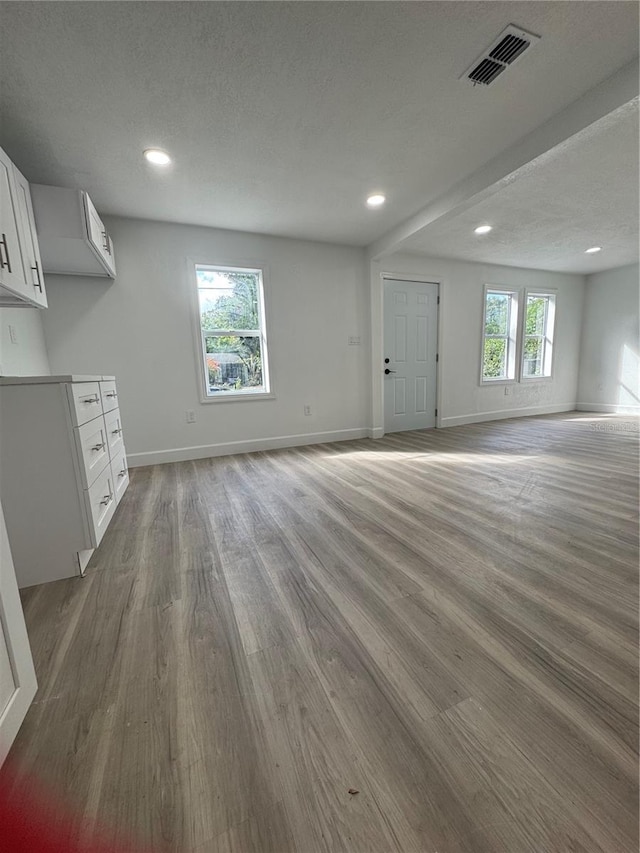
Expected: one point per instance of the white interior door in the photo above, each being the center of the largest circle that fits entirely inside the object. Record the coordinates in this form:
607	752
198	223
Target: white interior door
410	353
17	675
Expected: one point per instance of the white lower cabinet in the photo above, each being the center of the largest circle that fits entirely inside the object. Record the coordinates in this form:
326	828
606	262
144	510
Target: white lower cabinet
63	470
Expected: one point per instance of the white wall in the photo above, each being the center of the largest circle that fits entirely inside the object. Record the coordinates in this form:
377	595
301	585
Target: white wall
609	357
28	355
461	397
140	329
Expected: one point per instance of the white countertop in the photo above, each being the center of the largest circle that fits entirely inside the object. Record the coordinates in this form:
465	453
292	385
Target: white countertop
43	380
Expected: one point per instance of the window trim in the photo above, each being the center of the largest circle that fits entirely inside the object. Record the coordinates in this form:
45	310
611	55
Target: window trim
551	295
243	396
513	349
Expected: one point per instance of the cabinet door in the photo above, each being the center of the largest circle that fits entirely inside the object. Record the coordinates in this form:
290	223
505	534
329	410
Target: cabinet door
17	675
12	276
98	234
29	240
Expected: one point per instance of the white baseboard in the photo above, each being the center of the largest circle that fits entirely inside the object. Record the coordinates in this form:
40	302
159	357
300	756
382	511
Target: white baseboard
501	414
203	451
376	432
608	408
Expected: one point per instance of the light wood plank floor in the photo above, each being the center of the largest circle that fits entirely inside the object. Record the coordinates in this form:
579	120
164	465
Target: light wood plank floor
444	621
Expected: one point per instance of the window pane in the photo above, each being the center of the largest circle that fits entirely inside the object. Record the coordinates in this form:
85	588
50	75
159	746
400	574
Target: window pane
497	314
495	358
228	300
234	363
536	310
533	350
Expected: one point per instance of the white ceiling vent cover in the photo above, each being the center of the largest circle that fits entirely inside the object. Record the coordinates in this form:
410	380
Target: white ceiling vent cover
503	52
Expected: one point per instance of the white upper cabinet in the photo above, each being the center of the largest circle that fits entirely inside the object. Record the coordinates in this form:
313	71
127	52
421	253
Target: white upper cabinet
98	234
73	239
21	280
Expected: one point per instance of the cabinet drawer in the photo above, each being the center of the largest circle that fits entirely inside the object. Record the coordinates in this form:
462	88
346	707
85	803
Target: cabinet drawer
100	502
114	432
93	449
84	401
120	473
109	396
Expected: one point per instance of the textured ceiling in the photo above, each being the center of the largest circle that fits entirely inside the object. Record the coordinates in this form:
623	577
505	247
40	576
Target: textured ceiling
282	117
582	193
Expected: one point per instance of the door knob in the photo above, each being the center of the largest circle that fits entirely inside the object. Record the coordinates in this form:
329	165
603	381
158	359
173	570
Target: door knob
386	370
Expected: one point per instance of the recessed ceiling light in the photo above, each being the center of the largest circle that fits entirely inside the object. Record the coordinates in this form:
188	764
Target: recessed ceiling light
376	200
483	229
157	157
593	250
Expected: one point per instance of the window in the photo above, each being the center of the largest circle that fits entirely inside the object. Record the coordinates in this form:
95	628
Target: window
499	335
232	330
537	349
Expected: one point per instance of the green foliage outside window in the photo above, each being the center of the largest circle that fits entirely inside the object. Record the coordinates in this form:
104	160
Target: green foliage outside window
536	308
534	335
497	314
495	348
495	358
233	361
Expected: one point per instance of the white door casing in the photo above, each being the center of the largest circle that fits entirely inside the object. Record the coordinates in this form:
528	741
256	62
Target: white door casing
411	346
17	675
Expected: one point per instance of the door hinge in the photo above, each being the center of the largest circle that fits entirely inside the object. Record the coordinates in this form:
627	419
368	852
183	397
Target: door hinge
438	302
436	413
437	356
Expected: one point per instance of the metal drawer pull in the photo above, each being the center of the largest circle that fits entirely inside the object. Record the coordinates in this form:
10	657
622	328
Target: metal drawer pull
6	263
116	431
111	394
106	245
98	446
123	473
37	283
95	399
106	500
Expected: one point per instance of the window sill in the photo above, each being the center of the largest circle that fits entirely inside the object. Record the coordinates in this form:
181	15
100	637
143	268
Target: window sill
488	383
226	397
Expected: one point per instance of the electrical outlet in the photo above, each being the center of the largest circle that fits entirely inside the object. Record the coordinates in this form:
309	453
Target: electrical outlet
191	416
13	334
507	390
307	409
354	340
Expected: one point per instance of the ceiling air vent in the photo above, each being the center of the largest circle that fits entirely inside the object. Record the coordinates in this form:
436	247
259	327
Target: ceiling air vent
504	51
